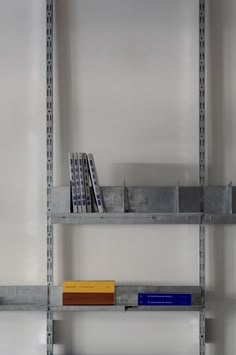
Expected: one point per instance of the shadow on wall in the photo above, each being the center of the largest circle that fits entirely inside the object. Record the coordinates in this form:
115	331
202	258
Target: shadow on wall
139	174
215	101
220	150
67	125
220	94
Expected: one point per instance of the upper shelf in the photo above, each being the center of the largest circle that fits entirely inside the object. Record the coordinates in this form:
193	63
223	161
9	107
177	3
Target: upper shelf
126	218
152	205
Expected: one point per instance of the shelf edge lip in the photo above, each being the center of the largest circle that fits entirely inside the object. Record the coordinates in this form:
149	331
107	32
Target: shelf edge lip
216	218
123	214
126	218
115	308
22	308
128	284
143	218
126	308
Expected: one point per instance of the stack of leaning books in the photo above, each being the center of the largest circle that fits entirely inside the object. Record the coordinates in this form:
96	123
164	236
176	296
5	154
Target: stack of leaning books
88	293
85	191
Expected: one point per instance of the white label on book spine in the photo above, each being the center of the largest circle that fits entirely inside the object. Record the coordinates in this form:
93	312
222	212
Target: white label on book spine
77	183
72	182
82	184
86	182
95	183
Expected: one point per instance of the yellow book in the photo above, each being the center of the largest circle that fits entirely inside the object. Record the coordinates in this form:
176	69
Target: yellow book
78	286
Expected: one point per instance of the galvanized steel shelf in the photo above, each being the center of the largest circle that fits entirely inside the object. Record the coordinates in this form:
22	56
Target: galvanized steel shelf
37	298
23	298
152	205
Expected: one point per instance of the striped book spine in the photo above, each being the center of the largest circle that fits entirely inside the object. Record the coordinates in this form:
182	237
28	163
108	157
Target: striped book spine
77	183
82	184
86	182
72	182
95	183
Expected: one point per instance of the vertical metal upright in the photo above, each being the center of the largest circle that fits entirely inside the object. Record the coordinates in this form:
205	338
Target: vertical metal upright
202	35
49	140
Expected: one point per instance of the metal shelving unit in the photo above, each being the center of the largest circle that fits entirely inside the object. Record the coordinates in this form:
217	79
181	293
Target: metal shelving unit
164	205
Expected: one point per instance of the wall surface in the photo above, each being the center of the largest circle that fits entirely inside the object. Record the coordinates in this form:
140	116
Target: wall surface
126	89
22	156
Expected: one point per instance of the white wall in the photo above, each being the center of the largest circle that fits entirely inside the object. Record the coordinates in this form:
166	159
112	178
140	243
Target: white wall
126	86
127	91
22	156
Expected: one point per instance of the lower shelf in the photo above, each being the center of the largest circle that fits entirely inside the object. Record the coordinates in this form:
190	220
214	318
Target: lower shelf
124	308
35	308
42	298
23	308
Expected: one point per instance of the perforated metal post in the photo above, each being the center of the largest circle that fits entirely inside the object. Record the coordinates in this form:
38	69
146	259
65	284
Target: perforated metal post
202	8
49	139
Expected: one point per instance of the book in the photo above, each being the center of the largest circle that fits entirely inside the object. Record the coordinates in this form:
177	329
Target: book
88	299
77	183
164	299
82	183
78	286
95	183
86	183
72	183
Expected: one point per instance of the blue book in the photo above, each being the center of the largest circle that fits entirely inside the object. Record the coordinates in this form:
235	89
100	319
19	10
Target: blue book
164	299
